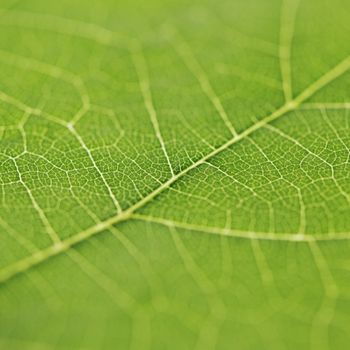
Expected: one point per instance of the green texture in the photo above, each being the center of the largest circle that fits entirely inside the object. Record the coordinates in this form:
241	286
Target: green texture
175	174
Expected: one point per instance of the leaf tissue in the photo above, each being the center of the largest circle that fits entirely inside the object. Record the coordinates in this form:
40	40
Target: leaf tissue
175	174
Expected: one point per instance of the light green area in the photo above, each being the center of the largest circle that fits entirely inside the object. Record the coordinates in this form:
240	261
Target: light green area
174	174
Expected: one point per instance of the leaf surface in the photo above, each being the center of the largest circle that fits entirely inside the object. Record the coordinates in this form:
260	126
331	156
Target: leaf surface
174	174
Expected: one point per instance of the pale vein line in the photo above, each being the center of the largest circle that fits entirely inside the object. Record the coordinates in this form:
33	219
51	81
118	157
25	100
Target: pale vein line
263	267
191	129
63	25
223	172
264	236
271	210
44	288
296	142
326	105
193	65
324	80
226	261
92	159
209	332
143	76
49	229
21	128
191	196
320	325
335	131
122	300
288	14
246	41
27	109
266	81
224	231
140	318
155	284
52	71
58	248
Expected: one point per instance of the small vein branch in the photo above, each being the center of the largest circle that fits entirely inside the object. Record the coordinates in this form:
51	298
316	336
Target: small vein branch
142	72
49	229
288	14
193	65
71	128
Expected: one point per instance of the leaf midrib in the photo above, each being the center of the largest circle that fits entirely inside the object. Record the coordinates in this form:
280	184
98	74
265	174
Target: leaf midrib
41	256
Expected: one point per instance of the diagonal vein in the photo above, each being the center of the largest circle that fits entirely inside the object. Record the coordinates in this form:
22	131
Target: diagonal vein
72	129
288	14
25	264
229	232
193	65
142	72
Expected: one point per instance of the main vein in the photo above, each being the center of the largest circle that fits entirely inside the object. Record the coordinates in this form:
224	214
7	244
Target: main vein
64	245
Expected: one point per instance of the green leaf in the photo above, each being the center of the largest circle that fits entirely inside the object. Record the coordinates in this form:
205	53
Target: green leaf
174	174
